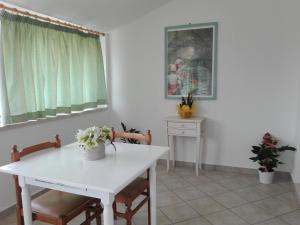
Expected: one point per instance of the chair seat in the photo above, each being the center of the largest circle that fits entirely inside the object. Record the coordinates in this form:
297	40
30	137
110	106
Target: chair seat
132	191
57	203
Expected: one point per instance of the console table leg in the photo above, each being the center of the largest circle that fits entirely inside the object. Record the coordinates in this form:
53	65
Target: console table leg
168	161
197	159
171	143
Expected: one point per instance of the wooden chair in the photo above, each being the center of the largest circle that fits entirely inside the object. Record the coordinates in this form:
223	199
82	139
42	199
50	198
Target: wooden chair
138	187
54	207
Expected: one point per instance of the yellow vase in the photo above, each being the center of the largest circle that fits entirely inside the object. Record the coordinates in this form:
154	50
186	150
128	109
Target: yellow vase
185	111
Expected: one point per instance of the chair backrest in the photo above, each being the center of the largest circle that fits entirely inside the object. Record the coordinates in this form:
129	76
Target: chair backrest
145	138
17	155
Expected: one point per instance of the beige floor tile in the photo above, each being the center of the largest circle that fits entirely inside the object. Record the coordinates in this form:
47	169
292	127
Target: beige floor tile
219	175
251	194
252	213
141	218
206	205
179	212
189	193
177	184
233	183
288	186
229	199
249	180
198	180
292	218
77	220
168	177
225	218
119	221
160	187
184	171
212	188
167	198
275	221
10	219
281	207
271	189
196	221
291	198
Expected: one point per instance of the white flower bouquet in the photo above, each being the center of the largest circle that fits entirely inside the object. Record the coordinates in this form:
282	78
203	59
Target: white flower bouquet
93	136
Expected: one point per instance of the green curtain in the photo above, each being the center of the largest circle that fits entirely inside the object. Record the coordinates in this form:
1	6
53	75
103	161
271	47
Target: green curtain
50	69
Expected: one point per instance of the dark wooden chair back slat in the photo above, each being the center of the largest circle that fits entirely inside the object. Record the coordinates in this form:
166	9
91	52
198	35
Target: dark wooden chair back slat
17	155
145	138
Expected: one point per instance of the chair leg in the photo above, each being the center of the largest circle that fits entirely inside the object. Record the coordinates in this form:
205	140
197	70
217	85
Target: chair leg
115	210
87	216
128	214
60	222
20	219
98	212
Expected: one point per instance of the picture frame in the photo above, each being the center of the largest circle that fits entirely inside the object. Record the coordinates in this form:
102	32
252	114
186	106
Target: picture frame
191	61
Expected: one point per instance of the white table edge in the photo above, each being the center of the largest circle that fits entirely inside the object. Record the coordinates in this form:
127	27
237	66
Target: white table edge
37	180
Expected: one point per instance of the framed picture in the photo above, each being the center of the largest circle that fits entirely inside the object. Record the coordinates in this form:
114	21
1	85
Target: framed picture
191	61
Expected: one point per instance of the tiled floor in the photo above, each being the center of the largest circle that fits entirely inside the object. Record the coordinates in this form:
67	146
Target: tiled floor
215	198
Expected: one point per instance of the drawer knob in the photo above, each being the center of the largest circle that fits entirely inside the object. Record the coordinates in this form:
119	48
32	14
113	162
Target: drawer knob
182	132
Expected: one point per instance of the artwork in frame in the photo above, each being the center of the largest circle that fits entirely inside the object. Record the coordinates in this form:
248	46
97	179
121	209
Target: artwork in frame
191	61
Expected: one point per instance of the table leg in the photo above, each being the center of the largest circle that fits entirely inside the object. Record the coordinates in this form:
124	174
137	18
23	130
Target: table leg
168	161
197	155
108	213
26	201
198	150
172	149
153	193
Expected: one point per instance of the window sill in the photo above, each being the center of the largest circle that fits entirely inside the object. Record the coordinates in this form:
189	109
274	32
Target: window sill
52	118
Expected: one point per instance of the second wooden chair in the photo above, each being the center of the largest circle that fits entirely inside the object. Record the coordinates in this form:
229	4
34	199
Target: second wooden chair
139	187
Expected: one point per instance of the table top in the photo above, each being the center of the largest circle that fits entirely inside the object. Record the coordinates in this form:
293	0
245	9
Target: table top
66	165
178	119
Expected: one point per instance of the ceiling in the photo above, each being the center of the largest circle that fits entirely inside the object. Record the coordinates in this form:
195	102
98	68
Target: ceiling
102	15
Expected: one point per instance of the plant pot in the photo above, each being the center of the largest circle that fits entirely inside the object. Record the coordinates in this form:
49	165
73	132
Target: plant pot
185	111
185	115
95	153
266	177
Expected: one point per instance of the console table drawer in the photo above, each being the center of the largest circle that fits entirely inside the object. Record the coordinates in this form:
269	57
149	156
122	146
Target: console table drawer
182	125
182	132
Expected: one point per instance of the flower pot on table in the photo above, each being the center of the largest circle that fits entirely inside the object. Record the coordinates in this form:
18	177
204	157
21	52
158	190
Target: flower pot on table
95	153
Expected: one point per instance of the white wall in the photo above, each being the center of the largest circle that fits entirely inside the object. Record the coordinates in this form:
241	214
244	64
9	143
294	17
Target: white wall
256	87
40	132
292	55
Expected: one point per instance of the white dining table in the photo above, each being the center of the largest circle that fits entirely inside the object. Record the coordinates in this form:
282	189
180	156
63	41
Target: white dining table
65	169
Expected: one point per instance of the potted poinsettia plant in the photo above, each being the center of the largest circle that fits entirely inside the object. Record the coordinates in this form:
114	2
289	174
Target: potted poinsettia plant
92	140
267	153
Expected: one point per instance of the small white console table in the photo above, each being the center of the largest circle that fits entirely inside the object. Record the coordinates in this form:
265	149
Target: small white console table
192	127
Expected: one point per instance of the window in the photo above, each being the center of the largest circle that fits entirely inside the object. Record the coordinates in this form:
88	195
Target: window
47	70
